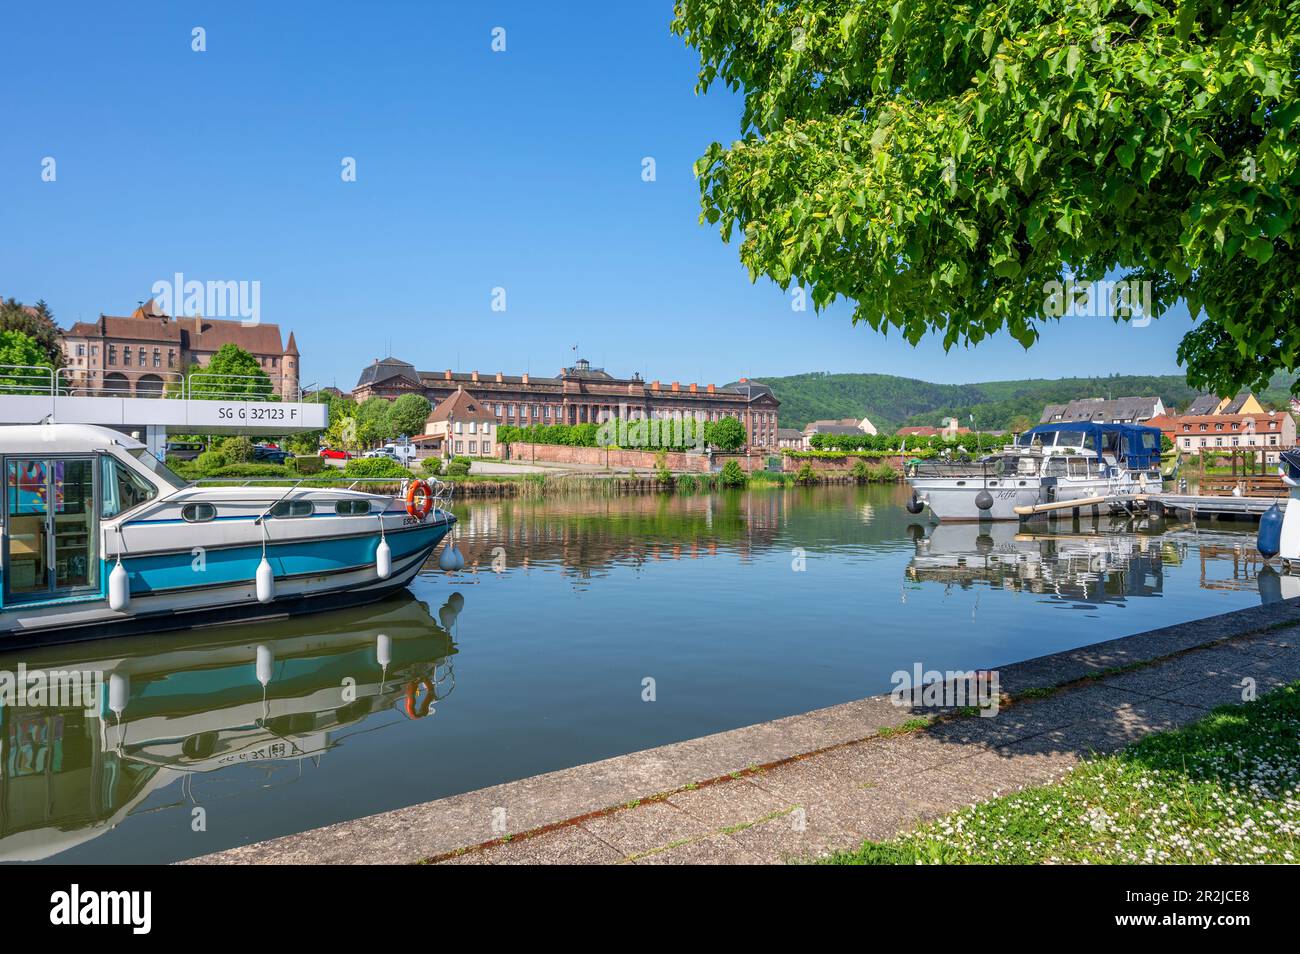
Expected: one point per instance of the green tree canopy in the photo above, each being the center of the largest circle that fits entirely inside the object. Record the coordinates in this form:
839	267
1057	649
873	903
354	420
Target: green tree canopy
373	425
38	325
407	415
725	434
940	164
241	377
18	348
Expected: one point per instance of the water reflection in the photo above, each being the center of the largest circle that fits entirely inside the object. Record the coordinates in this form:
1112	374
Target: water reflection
1098	563
158	710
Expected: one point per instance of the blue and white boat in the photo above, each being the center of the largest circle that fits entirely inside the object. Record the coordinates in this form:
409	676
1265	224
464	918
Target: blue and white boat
1279	528
1100	465
101	539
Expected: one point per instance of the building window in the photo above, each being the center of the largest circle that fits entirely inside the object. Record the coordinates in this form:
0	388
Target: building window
473	427
473	447
171	357
157	357
460	447
112	354
459	429
512	410
126	357
501	409
143	358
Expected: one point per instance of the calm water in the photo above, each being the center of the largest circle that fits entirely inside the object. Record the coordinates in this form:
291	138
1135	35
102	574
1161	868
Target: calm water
740	607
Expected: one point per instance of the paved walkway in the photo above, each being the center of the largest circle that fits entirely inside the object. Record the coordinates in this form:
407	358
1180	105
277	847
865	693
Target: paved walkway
797	788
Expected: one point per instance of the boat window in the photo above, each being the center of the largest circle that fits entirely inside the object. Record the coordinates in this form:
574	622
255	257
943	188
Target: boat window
1028	467
198	512
122	487
352	508
293	508
1078	467
1054	467
158	468
1070	438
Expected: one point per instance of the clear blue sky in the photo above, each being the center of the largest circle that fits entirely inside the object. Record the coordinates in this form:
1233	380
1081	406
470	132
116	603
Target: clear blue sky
475	169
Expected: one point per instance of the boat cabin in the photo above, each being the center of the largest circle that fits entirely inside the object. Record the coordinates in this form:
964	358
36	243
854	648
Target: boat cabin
61	482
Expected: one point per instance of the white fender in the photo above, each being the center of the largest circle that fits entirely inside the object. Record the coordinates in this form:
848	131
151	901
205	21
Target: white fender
383	560
119	589
265	582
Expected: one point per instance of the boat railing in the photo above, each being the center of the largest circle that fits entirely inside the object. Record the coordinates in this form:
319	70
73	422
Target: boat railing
440	490
949	468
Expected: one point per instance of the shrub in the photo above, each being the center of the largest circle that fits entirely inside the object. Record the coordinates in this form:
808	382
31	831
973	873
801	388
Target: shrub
806	475
374	467
458	468
251	470
884	473
238	450
431	466
726	434
733	475
210	460
662	473
859	471
458	459
308	464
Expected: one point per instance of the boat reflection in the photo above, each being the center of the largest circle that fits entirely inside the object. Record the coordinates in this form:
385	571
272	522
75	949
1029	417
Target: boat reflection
1103	563
76	760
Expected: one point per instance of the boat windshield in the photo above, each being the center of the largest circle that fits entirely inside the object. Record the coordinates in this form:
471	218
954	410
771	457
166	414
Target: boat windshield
1013	466
159	469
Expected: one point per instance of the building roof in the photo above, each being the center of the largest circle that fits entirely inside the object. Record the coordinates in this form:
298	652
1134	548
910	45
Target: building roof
1209	404
817	427
582	369
1102	409
789	434
461	406
927	431
194	333
383	370
752	390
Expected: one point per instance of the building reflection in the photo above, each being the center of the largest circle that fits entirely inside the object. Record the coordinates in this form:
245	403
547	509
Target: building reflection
164	709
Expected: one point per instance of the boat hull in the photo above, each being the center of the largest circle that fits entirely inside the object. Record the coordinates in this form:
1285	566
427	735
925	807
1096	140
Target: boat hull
312	575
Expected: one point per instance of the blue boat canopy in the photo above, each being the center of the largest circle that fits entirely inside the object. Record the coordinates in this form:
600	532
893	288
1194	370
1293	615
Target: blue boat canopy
1135	445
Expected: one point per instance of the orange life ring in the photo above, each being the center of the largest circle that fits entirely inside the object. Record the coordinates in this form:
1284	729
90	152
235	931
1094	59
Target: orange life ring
419	499
417	707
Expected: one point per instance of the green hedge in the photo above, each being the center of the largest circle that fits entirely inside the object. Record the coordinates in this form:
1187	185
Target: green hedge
375	467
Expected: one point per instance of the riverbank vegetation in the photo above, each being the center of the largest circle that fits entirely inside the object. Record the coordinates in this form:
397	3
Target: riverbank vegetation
1225	789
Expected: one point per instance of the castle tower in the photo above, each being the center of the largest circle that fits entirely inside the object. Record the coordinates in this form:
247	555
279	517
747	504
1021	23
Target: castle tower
289	370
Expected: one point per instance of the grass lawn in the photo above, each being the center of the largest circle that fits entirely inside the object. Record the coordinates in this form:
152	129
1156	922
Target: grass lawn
1225	789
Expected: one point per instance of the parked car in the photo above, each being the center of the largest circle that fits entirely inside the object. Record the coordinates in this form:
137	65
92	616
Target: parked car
184	450
405	453
332	454
380	452
269	455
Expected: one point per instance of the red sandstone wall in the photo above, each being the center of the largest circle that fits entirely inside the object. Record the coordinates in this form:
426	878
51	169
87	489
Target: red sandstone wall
625	459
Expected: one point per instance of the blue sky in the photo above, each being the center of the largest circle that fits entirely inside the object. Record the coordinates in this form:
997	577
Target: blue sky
475	170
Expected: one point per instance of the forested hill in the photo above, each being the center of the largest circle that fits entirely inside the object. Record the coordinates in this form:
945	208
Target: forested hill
892	402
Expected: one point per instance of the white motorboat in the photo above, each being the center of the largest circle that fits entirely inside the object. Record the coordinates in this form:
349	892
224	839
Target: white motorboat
101	539
1048	464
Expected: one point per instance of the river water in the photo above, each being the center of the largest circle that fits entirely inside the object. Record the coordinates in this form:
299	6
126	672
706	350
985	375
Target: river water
580	629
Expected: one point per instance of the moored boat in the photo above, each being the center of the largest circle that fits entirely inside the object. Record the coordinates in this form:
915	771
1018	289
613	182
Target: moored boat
101	539
1048	464
1279	528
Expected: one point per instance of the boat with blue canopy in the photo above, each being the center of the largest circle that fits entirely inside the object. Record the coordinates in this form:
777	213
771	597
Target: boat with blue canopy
1104	464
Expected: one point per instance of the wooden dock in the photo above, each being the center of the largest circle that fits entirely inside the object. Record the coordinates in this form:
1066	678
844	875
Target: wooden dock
1207	506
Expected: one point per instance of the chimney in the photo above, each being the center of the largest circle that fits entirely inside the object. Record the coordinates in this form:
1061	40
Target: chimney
654	385
500	379
446	375
525	381
711	389
473	375
677	385
694	388
744	380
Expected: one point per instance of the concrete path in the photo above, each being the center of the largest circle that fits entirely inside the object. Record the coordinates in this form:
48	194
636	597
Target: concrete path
800	787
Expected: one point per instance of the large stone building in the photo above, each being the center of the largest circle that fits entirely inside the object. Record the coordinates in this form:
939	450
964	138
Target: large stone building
580	394
142	353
